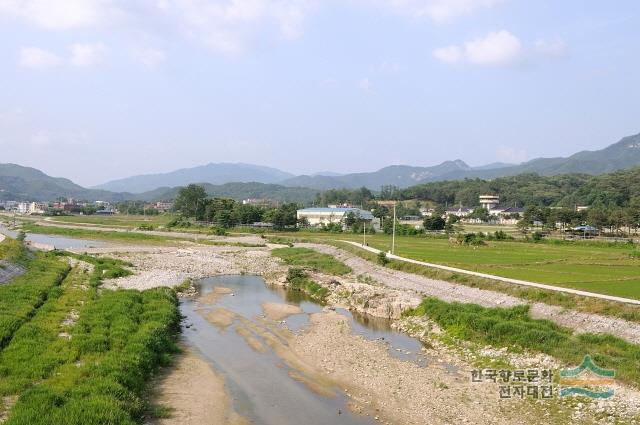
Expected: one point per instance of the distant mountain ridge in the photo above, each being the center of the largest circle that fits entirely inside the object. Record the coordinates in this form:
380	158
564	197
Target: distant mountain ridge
237	180
216	174
619	156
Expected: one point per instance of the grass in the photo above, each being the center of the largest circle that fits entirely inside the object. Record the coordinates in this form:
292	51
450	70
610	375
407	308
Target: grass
304	257
121	221
513	327
605	268
13	251
98	234
21	297
299	280
569	301
119	341
36	349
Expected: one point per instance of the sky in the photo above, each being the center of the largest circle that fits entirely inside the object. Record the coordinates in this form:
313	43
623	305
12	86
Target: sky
95	90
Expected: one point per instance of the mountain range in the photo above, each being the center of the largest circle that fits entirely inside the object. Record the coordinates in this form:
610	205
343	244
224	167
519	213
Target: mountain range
211	173
246	180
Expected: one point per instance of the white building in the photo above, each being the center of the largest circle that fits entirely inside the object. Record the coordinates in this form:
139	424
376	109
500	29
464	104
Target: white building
22	208
319	216
38	207
489	202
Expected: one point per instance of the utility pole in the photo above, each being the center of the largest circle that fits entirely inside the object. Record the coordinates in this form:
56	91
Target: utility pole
364	227
393	237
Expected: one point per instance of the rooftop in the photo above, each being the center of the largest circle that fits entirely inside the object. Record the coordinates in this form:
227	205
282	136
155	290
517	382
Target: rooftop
357	211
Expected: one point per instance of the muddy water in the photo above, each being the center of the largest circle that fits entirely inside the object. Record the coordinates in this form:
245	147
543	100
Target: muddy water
260	381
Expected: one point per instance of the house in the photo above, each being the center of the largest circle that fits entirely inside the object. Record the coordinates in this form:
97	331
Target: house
319	216
459	211
164	206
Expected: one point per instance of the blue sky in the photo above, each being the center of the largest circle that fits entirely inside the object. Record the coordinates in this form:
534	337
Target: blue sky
101	89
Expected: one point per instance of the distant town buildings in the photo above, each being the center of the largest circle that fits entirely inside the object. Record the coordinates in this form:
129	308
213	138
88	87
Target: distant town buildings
319	216
164	206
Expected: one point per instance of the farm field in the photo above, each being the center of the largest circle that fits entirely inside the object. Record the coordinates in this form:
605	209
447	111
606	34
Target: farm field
601	268
123	221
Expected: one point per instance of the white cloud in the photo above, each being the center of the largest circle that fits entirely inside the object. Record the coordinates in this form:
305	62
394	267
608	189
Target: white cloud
230	25
61	15
511	155
150	57
439	11
365	85
497	48
84	54
450	54
554	48
33	57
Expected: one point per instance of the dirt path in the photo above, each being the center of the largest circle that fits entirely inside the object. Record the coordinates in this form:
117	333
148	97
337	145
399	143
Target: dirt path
447	291
500	278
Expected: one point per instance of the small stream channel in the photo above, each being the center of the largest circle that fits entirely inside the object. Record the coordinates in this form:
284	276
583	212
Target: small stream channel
57	242
259	382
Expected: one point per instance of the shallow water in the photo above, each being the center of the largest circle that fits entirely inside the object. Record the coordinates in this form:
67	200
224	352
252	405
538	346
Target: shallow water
56	241
260	383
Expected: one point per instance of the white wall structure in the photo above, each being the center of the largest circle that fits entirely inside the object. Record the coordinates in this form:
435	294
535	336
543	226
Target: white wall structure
319	216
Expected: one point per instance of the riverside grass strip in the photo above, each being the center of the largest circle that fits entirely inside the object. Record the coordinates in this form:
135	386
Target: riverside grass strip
513	327
20	298
304	257
119	340
42	344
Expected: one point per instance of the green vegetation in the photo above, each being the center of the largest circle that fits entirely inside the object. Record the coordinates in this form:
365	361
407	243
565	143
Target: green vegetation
118	342
13	251
513	327
20	298
74	354
193	202
98	234
123	221
606	268
299	280
304	257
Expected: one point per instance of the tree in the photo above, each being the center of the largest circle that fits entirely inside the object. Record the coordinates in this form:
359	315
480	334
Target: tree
481	214
434	223
191	201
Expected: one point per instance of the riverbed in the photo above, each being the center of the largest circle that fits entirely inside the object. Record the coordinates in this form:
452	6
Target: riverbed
241	327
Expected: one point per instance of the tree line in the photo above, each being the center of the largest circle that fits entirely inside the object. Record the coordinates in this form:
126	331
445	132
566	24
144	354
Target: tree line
193	202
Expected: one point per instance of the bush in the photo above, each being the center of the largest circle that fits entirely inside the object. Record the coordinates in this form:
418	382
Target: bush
21	236
382	258
218	231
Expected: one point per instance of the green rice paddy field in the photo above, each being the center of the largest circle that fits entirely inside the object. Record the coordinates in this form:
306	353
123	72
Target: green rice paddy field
603	268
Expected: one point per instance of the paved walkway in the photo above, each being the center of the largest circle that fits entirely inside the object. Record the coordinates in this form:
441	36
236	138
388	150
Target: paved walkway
500	278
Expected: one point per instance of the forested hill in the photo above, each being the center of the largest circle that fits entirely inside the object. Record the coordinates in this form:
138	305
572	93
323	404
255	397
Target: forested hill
621	188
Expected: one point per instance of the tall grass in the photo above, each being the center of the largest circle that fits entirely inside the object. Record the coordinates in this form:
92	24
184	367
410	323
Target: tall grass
14	251
37	348
304	257
299	280
119	341
513	327
20	298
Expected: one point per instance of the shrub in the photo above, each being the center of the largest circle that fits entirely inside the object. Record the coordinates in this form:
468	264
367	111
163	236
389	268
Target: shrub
382	258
